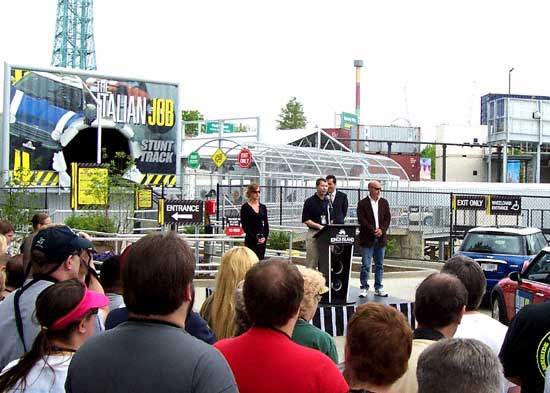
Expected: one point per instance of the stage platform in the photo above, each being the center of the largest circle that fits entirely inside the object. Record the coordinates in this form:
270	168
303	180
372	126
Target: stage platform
333	318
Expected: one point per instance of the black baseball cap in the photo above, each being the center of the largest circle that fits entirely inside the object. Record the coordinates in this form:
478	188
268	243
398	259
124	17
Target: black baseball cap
58	243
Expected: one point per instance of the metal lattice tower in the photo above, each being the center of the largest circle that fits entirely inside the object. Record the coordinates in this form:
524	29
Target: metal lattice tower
74	35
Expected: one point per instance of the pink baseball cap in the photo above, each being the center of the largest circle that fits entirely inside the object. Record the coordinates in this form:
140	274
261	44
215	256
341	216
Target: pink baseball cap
90	300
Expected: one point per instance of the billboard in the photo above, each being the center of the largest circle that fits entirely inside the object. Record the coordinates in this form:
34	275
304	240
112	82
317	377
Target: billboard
55	114
425	168
513	172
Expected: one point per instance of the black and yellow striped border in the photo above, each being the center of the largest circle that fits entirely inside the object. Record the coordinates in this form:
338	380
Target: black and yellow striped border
157	180
35	178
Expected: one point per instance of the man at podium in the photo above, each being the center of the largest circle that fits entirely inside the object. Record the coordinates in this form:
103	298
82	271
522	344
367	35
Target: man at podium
315	215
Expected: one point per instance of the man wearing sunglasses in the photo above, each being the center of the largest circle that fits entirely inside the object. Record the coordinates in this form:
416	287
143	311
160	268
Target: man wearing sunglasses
373	213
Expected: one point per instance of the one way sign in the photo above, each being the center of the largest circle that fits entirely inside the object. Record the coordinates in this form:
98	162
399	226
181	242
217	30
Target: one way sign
184	212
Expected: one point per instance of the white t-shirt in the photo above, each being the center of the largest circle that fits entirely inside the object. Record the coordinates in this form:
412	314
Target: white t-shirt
41	379
483	328
487	330
374	205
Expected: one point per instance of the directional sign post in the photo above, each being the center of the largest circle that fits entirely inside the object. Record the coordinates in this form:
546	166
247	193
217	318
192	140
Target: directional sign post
181	212
213	127
348	120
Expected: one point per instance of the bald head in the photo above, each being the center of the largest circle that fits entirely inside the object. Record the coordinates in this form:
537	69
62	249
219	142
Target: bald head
440	300
273	291
374	189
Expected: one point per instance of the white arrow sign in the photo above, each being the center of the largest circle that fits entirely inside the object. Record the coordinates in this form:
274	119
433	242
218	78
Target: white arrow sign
177	216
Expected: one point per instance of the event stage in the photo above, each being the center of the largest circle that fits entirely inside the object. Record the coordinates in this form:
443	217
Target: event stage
333	318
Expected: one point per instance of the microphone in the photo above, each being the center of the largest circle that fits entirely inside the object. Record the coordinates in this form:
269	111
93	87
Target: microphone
330	208
327	197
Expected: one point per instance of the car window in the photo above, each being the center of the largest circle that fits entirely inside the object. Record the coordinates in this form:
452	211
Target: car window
541	240
56	93
490	243
533	244
540	269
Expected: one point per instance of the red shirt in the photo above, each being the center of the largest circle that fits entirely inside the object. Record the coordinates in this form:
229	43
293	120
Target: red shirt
267	360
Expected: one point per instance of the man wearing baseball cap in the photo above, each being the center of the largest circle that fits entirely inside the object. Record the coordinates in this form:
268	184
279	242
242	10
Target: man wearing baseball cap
57	254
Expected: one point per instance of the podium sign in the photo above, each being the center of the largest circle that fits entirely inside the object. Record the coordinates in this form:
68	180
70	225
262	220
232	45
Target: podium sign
335	248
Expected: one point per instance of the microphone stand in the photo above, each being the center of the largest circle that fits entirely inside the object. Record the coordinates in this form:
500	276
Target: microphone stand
329	207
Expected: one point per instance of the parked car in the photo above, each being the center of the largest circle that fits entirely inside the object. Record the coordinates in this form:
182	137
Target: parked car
42	103
501	250
531	285
420	215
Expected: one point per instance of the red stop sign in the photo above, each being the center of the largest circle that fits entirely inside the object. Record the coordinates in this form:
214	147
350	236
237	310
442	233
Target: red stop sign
244	158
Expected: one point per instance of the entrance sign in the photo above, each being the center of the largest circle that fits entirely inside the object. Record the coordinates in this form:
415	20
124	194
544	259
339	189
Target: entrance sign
181	212
505	205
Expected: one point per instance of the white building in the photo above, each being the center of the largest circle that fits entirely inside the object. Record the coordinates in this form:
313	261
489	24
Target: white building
462	164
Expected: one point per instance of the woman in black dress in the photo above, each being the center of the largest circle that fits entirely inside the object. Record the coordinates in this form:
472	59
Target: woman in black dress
254	221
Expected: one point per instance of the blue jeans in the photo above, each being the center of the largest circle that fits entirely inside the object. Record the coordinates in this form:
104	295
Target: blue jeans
367	254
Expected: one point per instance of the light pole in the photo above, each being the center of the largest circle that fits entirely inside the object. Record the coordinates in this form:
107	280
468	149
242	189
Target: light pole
99	114
510	80
358	64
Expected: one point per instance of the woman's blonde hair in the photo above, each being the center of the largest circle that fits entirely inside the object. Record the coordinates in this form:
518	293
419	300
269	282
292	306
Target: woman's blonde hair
3	244
251	187
314	284
233	267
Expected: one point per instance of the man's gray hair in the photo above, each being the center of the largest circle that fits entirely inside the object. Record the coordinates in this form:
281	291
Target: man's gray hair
459	365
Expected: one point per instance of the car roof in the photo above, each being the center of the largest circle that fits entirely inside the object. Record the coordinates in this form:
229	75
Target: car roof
507	230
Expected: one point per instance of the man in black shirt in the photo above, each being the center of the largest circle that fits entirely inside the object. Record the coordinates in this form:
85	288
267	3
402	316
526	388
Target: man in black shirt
525	353
315	215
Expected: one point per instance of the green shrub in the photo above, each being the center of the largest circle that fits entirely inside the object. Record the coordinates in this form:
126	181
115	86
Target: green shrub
92	222
392	247
190	229
278	240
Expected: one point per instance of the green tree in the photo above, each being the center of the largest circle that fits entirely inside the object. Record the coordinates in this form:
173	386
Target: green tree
429	152
292	116
242	128
192	115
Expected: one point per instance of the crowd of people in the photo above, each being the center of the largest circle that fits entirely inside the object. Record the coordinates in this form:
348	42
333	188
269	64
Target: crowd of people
132	326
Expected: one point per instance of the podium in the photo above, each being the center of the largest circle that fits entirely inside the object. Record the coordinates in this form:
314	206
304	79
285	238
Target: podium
335	249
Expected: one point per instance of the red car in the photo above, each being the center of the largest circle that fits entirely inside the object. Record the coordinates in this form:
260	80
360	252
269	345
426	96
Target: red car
532	285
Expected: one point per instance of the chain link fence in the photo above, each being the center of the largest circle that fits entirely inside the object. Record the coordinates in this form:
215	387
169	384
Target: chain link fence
429	215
